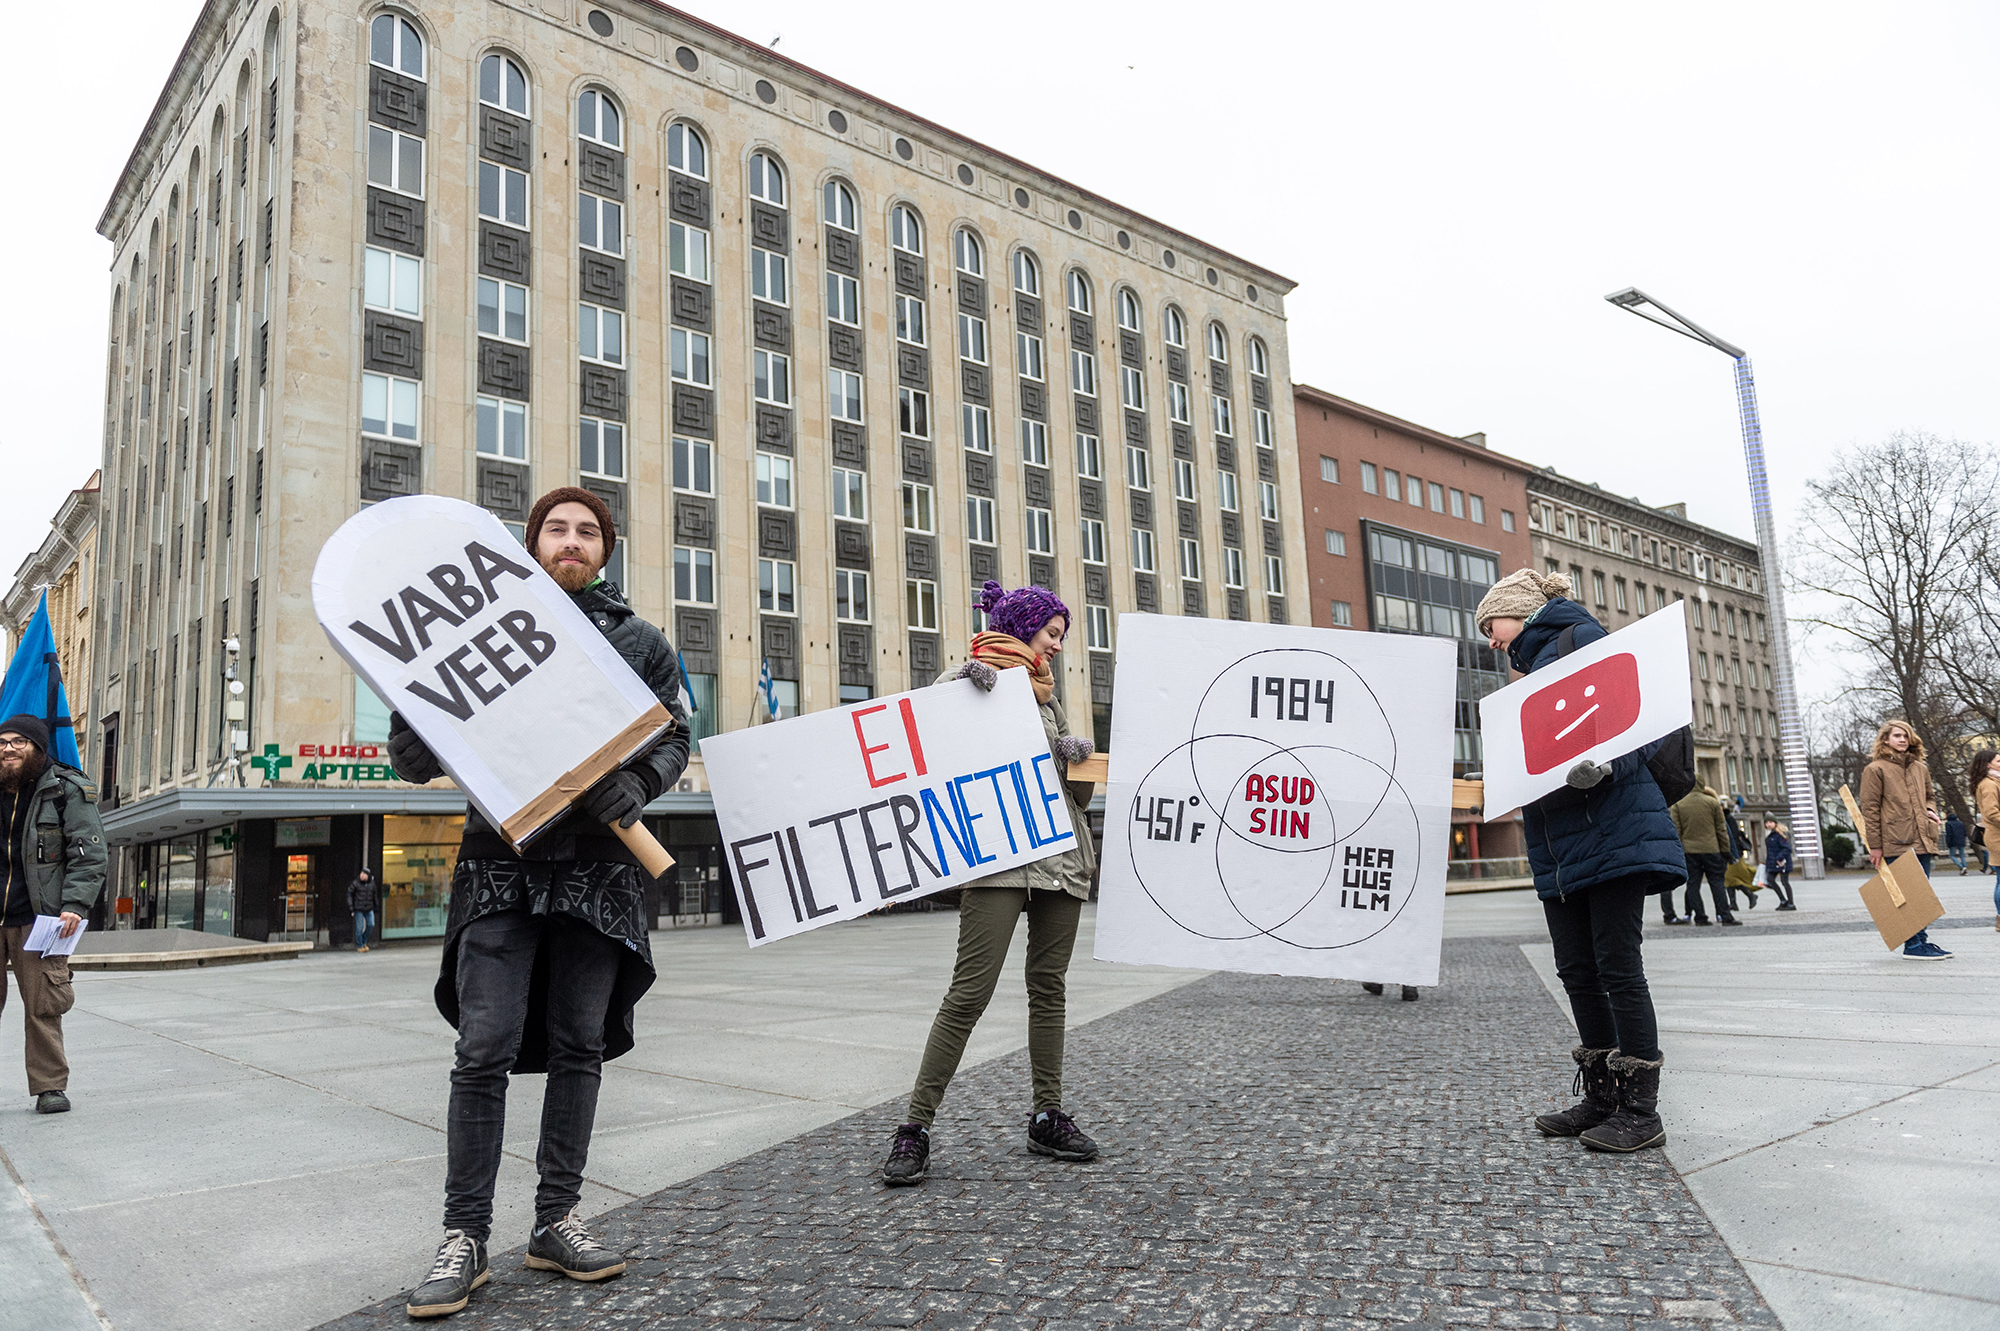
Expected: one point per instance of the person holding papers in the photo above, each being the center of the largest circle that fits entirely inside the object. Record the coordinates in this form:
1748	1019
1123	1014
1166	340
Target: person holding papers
1599	846
1026	627
51	865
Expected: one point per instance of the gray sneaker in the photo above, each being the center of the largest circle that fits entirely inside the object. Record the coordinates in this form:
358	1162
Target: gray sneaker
565	1245
459	1269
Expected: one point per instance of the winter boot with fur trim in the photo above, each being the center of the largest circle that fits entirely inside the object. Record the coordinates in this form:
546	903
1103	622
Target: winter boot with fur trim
1636	1125
1594	1084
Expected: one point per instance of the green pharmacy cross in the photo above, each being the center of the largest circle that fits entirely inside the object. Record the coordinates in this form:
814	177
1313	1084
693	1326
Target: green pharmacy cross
271	762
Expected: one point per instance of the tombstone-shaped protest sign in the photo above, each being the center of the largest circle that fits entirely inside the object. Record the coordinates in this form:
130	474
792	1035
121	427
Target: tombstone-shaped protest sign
1598	703
525	703
1279	800
835	814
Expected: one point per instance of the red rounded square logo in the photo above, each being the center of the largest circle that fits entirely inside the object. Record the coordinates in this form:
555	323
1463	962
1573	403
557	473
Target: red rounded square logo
1566	720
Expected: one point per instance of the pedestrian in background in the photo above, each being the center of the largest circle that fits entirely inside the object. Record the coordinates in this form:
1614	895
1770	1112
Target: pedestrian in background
1704	833
1984	778
362	897
1954	841
1778	861
1900	813
1600	845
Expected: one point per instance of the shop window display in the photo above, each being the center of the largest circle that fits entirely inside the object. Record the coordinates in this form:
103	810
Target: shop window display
418	856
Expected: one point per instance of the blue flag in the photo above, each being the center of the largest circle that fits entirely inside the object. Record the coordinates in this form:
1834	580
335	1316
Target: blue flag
34	685
687	693
770	693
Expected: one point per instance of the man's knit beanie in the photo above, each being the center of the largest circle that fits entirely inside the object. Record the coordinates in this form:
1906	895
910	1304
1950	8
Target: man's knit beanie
571	494
1022	612
31	728
1519	595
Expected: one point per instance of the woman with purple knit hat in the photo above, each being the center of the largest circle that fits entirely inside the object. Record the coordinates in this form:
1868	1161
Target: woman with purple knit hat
1025	628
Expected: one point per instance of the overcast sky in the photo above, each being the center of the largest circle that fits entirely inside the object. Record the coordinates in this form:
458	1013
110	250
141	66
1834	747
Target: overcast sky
1454	187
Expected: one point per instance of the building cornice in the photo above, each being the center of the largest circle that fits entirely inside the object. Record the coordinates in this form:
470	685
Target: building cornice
1553	484
209	28
1319	397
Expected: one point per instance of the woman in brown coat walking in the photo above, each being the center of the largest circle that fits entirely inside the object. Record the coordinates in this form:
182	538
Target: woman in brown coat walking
1985	782
1900	812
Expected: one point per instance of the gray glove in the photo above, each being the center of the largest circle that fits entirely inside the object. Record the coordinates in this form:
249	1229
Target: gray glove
1074	749
619	798
409	755
1587	774
985	676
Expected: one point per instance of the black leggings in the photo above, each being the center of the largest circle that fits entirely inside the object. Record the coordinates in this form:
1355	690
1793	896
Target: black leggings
1596	934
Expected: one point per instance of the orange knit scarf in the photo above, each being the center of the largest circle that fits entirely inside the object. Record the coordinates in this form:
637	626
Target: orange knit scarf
1004	652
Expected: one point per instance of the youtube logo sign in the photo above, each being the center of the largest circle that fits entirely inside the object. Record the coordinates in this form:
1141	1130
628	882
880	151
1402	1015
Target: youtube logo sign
1569	718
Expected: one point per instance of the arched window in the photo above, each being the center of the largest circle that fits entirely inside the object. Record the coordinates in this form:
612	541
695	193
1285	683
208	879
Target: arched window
906	232
1176	328
966	250
1260	360
597	119
502	84
767	181
1128	309
1218	344
838	201
1079	291
686	152
394	43
1027	274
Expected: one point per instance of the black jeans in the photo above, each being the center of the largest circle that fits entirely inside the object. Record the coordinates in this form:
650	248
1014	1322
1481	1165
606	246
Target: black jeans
1596	935
496	956
1714	866
1780	882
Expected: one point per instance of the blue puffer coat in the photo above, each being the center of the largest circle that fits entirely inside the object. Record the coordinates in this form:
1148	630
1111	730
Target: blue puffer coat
1618	828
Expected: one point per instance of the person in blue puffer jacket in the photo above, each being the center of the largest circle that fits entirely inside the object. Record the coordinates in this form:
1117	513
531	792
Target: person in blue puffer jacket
1599	847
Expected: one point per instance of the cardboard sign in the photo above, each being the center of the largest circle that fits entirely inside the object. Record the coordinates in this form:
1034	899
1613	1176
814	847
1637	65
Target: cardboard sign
1598	703
834	814
518	694
1899	897
1279	800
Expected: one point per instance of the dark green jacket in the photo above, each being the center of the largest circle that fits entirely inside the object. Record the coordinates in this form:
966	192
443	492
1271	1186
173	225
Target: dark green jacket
62	843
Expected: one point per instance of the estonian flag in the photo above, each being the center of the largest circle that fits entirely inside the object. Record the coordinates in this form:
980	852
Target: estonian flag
34	686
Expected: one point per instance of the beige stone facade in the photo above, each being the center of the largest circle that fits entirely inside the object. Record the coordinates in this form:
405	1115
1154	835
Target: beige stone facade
64	565
344	264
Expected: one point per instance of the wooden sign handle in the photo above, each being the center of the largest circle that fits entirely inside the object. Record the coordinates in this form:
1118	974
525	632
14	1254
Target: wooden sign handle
653	857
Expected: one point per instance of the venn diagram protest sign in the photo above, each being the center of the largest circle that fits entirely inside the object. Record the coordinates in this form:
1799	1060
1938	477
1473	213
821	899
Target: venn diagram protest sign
1279	800
832	815
1600	702
446	617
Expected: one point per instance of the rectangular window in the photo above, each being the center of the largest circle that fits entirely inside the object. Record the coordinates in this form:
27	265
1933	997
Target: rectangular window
1437	497
1368	478
1458	503
776	584
1267	501
600	335
1391	485
500	428
850	494
1092	535
910	320
1225	490
1132	388
979	520
843	299
393	282
1262	431
694	466
1138	468
1274	575
913	412
694	575
396	161
1089	457
773	376
1142	550
1232	566
770	277
503	310
1224	413
389	406
601	226
1639	593
1506	519
850	595
1597	587
689	356
1041	532
972	338
1083	373
1701	662
774	480
1034	442
1190	552
1179	408
919	513
1731	612
1183	479
920	597
975	425
600	448
1028	355
1329	469
687	252
1097	627
843	393
1336	542
1618	592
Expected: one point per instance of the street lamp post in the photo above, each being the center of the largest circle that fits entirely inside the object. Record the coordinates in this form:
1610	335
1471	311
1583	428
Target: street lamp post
1791	736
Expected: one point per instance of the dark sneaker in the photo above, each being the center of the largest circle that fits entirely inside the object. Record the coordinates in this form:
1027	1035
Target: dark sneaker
1730	919
1703	921
1409	993
565	1245
1374	989
1924	951
909	1157
1054	1133
52	1102
1680	919
459	1269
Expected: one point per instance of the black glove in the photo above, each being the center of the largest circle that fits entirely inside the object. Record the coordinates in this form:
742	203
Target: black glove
619	798
409	755
1586	774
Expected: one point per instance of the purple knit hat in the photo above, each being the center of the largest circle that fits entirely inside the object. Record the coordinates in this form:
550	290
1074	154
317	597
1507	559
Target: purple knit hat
1021	612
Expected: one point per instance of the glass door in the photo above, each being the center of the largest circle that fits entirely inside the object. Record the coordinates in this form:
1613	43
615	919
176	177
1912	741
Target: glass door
182	870
299	896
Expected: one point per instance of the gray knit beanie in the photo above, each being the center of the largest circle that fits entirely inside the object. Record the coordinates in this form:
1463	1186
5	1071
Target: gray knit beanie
1519	595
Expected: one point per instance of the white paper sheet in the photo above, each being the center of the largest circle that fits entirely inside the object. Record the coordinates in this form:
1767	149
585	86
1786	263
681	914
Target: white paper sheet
45	936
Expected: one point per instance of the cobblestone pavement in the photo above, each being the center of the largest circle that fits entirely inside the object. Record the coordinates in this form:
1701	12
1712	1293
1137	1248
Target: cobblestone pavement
1278	1153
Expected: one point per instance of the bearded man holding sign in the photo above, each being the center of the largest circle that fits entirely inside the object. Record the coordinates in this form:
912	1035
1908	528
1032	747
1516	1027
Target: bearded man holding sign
546	953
